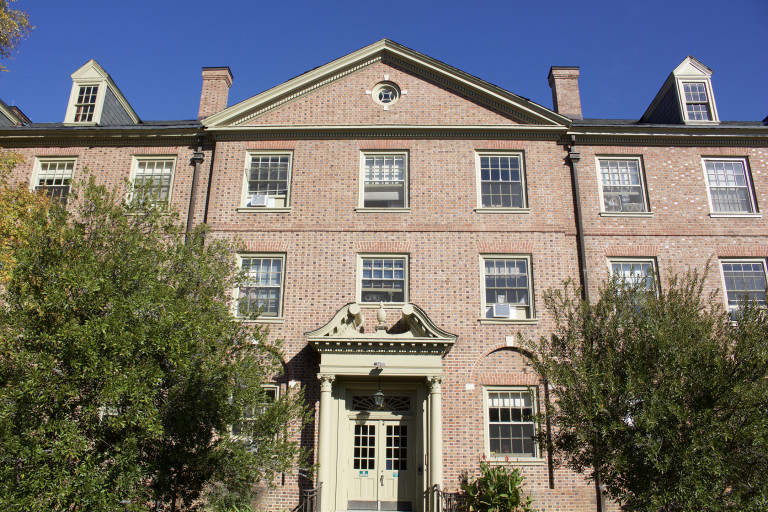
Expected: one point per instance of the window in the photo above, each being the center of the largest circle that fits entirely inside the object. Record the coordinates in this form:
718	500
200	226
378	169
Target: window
696	101
502	180
261	292
54	176
510	423
622	185
743	280
85	105
639	272
730	190
507	288
152	179
245	424
385	178
267	180
383	279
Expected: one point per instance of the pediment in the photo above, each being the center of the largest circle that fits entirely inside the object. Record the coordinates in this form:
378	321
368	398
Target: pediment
357	73
357	328
90	71
692	67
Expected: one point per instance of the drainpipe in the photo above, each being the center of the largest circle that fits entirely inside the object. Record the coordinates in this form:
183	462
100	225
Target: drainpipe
573	158
197	159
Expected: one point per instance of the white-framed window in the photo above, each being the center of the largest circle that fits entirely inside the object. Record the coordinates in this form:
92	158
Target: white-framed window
635	271
384	182
507	287
501	180
85	103
153	179
54	176
267	180
383	278
622	185
510	422
729	185
697	104
262	290
743	279
240	428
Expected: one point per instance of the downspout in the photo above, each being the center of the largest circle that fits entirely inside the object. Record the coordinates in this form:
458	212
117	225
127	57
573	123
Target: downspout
197	159
573	158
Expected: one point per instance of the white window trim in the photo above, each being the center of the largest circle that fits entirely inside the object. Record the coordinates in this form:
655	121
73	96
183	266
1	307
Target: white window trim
643	187
762	261
681	81
38	167
98	108
531	299
478	184
406	183
748	176
539	458
638	259
406	276
244	196
153	158
279	319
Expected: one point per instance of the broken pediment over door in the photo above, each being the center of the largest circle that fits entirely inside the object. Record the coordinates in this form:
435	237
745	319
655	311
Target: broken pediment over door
404	339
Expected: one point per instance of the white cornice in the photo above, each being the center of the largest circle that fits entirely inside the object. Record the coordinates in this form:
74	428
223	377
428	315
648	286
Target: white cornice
385	48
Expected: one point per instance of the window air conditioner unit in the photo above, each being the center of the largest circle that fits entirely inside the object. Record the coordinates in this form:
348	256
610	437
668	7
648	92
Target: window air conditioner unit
502	311
260	200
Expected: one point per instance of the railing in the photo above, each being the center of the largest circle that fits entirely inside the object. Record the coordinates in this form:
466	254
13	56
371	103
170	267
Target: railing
449	501
309	500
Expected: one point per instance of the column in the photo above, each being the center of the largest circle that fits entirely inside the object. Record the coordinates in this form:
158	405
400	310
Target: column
324	440
436	434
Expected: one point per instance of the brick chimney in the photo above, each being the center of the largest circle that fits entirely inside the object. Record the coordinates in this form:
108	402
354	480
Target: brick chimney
216	84
564	81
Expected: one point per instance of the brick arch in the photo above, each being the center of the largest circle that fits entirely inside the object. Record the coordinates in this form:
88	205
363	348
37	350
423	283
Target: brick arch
509	378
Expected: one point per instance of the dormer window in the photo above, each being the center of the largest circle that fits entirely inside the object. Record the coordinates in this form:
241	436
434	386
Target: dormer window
86	103
696	101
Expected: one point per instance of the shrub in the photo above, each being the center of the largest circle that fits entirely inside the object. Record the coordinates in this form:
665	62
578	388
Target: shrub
497	489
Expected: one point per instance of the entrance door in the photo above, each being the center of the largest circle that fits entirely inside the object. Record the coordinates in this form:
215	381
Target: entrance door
383	476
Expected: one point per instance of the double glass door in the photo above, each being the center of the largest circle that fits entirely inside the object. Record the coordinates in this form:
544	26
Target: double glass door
382	465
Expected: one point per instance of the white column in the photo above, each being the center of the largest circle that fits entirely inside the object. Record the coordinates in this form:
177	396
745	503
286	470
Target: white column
435	433
324	440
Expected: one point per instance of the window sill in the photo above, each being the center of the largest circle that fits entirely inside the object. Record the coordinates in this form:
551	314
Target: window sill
263	209
736	215
503	210
263	320
626	214
502	321
362	209
517	461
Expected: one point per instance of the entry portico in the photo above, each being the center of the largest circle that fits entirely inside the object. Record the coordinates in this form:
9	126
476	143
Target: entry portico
380	439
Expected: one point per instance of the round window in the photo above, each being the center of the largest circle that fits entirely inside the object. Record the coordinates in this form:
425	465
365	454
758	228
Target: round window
385	93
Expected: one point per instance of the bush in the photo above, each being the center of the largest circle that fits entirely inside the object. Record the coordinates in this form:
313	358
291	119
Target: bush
497	489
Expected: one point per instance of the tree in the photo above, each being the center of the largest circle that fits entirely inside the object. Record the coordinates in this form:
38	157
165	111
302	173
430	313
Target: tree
661	394
14	26
121	367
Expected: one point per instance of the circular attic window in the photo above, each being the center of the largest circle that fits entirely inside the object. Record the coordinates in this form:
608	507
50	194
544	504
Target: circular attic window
385	93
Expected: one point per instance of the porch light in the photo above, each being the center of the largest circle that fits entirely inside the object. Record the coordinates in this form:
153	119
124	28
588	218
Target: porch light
378	399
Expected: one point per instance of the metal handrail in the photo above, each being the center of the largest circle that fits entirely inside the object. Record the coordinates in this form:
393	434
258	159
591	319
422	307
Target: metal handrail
309	500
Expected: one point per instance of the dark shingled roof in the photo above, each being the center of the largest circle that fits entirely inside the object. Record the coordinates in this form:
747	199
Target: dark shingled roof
632	122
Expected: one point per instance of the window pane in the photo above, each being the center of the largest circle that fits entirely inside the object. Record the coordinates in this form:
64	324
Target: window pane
55	178
384	181
262	290
383	280
744	280
501	182
507	282
511	428
152	181
622	186
268	176
729	186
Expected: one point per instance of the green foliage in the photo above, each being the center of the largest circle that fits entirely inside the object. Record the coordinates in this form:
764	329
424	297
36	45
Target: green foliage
14	26
662	394
497	489
121	366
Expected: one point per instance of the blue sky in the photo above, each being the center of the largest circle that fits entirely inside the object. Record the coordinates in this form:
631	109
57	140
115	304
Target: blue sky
154	50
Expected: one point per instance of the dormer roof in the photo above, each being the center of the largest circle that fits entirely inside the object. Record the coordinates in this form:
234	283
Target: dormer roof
11	116
459	82
96	100
685	98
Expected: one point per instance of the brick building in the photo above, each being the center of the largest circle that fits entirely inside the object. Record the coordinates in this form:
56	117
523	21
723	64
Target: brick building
402	220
